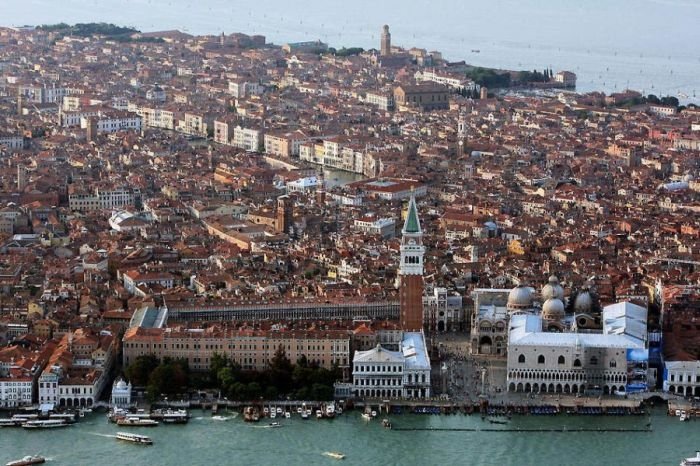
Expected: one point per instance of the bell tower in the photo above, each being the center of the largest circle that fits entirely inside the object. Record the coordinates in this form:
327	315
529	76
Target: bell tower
411	271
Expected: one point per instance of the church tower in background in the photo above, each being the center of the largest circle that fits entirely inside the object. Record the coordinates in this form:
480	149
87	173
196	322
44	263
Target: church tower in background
386	42
411	271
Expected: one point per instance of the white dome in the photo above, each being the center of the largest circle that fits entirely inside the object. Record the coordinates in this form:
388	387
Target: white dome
583	302
121	385
552	289
520	297
553	309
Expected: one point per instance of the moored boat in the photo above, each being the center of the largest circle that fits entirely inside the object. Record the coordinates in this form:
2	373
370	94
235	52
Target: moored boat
134	438
10	423
330	410
251	414
366	417
171	416
137	422
27	460
45	424
386	423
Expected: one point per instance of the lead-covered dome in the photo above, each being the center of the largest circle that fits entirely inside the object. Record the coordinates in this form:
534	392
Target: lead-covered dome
553	309
519	298
552	290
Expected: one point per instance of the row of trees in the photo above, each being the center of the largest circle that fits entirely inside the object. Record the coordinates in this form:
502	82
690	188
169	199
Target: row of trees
88	29
535	76
301	381
488	77
167	377
345	52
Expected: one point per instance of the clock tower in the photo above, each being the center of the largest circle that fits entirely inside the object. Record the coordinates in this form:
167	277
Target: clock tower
411	271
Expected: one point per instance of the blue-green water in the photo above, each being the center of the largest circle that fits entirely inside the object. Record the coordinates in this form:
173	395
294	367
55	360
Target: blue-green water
206	441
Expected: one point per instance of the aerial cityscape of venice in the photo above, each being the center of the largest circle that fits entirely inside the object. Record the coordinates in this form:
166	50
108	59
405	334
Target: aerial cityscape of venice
261	246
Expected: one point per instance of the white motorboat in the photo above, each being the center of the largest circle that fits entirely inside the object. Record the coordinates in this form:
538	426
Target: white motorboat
299	410
319	414
335	455
27	460
692	461
273	414
279	410
366	416
274	424
287	414
134	438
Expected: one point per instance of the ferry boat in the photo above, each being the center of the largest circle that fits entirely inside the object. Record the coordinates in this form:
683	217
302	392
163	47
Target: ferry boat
45	424
27	460
68	417
171	416
24	417
692	461
334	455
134	438
137	422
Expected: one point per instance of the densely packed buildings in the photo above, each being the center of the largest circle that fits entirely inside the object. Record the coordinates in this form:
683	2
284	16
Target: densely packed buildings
218	188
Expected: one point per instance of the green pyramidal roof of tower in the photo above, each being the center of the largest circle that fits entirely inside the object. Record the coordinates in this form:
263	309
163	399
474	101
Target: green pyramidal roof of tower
412	224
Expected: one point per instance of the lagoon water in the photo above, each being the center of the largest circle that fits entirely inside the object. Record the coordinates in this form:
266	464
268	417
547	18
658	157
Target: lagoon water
649	45
206	441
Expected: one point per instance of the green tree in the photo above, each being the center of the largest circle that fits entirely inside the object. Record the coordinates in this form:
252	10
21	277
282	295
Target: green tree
138	372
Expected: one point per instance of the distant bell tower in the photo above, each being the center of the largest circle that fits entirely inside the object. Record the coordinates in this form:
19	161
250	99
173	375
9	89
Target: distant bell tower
386	41
21	178
284	214
411	271
462	126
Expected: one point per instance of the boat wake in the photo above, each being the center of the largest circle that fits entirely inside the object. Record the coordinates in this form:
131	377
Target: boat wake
102	435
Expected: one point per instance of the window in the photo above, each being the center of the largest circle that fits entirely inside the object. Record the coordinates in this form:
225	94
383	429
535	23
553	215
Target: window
521	359
540	359
613	363
594	361
561	360
577	363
